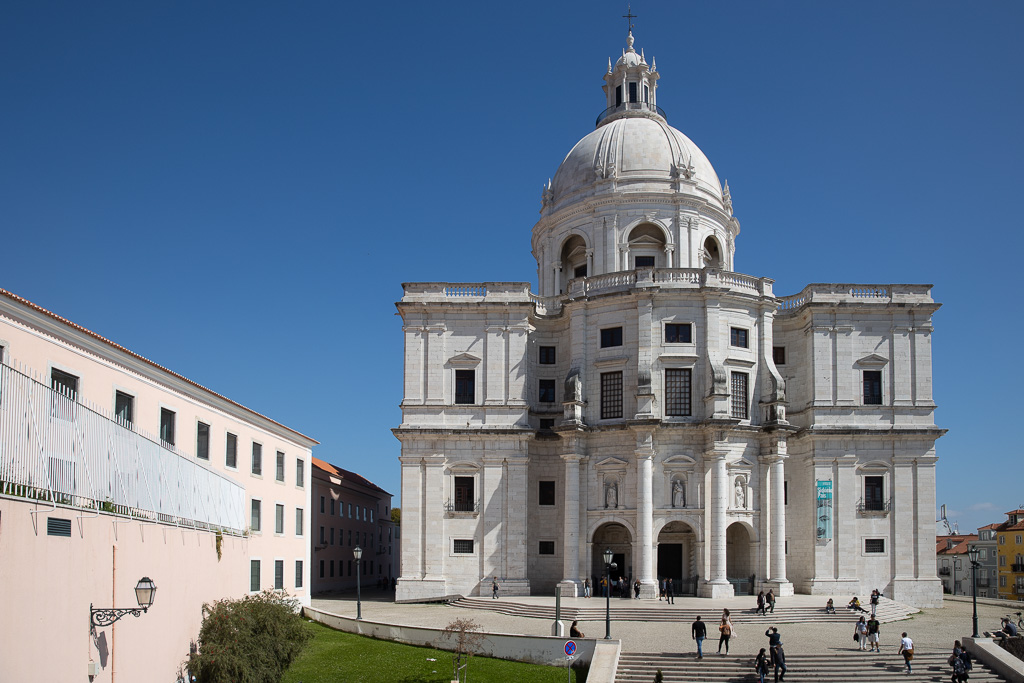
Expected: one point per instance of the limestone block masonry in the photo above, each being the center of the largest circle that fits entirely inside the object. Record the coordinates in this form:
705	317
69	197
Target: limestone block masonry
650	401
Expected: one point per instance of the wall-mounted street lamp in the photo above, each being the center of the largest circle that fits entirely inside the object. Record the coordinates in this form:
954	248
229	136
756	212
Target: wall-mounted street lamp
358	553
145	591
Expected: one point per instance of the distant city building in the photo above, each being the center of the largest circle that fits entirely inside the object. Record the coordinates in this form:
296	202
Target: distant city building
350	511
114	468
1010	551
650	400
952	564
988	571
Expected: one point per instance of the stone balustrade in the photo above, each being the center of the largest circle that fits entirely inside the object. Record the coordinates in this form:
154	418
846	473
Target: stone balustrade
855	293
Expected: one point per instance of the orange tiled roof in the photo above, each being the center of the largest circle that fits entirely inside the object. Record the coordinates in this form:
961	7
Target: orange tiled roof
39	309
961	543
347	474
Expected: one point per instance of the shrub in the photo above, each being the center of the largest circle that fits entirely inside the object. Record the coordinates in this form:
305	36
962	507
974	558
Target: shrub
251	640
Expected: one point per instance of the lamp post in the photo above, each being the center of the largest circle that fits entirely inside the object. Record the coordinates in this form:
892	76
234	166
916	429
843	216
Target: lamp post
972	556
145	592
358	553
608	566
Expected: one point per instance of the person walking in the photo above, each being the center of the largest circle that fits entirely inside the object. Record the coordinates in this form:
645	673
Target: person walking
586	588
960	660
770	599
494	588
874	632
860	634
875	595
661	588
726	630
760	603
669	592
636	589
699	631
907	650
761	665
779	660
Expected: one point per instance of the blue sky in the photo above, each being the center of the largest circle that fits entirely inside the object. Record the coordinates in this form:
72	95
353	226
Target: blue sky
238	190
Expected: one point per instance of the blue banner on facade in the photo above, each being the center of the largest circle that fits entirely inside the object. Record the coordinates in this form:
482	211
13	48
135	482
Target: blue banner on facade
824	510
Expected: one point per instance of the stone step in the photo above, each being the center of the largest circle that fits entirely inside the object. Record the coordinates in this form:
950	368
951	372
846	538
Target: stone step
837	667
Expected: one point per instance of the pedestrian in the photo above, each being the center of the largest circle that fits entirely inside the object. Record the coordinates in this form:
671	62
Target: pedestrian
960	660
604	586
875	595
760	602
761	665
860	634
494	588
830	607
661	588
773	637
586	588
874	632
779	661
907	650
623	588
854	604
770	599
669	594
636	589
726	630
575	632
699	632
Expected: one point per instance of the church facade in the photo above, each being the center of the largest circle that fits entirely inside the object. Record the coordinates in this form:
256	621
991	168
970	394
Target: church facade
650	400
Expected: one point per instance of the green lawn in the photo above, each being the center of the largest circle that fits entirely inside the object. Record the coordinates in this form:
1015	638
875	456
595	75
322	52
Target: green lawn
339	657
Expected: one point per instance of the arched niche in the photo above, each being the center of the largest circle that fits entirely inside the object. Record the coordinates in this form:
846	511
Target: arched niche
573	258
646	247
713	254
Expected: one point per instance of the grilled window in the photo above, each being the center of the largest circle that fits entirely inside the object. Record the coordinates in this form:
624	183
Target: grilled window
611	336
739	395
873	487
872	387
738	337
203	441
465	386
611	394
464	494
546	391
874	545
677	392
546	355
463	545
678	333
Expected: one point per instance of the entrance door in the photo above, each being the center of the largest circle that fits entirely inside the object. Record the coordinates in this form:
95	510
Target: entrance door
670	562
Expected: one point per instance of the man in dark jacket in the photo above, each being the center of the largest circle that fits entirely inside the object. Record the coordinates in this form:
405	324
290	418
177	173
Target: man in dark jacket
779	661
669	592
699	632
773	637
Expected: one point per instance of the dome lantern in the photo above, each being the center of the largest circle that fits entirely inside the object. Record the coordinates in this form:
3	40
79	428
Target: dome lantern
630	87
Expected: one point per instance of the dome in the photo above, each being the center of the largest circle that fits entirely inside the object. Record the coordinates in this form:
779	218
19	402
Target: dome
642	153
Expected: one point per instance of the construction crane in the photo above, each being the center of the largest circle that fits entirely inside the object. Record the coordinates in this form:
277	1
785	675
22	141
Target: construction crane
953	530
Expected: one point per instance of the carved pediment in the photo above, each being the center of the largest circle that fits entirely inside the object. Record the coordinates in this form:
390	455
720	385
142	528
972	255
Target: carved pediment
679	462
743	464
872	361
464	360
611	464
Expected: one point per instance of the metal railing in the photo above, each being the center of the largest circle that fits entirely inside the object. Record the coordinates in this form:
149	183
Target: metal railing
943	571
59	450
869	507
1017	567
630	106
462	506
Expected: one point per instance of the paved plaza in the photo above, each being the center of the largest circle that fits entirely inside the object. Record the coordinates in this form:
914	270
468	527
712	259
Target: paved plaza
931	629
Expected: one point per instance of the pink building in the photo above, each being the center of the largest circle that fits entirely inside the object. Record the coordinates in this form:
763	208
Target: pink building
350	511
113	468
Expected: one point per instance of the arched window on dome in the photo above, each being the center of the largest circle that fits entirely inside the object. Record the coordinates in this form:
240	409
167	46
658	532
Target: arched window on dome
712	254
646	247
573	260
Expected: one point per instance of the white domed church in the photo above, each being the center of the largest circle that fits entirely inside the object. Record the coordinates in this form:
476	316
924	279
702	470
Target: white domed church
651	401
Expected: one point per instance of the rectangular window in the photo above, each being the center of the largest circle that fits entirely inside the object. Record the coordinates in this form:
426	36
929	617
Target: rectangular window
254	521
546	493
874	545
278	574
254	575
677	391
580	271
124	408
349	538
332	507
643	262
322	503
280	466
203	441
873	493
618	95
546	355
465	386
300	472
167	426
322	564
779	355
983	554
350	510
257	458
611	395
332	568
1002	581
1002	540
464	494
872	387
678	333
785	493
738	337
332	535
632	91
611	336
231	451
546	391
299	521
463	545
739	395
279	519
547	423
298	573
547	548
323	536
1018	540
64	383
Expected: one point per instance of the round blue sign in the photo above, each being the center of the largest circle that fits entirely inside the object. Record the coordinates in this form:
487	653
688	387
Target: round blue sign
570	649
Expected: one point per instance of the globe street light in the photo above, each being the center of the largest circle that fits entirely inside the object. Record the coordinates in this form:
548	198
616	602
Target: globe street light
972	556
608	566
358	552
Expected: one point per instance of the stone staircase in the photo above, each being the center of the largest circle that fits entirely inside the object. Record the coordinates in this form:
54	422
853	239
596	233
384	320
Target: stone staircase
838	667
654	611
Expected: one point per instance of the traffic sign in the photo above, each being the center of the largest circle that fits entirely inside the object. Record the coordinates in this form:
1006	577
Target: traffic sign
570	648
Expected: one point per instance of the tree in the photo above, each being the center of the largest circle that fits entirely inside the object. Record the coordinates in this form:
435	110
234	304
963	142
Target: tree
396	516
467	639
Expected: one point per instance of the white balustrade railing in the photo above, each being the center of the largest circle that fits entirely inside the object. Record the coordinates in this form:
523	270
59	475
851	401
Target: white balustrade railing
56	449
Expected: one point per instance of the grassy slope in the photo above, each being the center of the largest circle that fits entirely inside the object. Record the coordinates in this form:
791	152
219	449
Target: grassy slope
334	656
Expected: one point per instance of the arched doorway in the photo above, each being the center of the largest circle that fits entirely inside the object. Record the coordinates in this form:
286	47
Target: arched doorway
677	557
739	562
574	259
617	537
646	247
712	254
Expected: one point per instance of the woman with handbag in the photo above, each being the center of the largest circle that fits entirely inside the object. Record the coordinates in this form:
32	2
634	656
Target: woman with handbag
860	634
726	630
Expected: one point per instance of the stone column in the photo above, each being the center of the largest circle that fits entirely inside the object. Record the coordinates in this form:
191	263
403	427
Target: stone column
717	584
571	527
777	571
645	523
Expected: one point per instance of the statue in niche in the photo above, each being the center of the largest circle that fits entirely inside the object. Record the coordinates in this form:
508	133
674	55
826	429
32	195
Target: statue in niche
741	494
678	494
611	495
